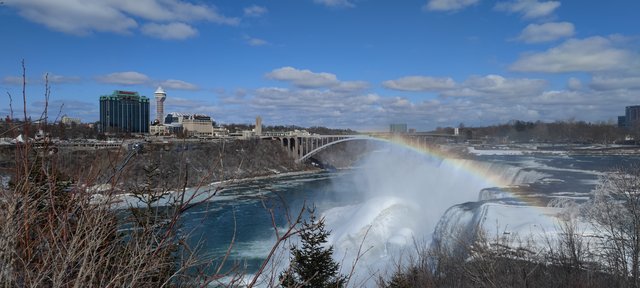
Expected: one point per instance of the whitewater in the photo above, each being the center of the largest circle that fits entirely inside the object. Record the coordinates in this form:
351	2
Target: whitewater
406	196
394	204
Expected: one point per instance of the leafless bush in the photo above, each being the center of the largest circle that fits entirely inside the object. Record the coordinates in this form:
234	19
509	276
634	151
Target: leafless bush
503	260
55	233
615	213
61	228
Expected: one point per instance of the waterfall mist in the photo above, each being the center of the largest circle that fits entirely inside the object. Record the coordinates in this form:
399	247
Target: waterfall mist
404	194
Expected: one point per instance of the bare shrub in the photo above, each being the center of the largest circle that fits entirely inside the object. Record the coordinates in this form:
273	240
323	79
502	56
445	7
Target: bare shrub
503	260
615	213
56	232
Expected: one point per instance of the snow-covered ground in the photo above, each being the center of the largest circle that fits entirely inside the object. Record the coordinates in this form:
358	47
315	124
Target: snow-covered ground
505	150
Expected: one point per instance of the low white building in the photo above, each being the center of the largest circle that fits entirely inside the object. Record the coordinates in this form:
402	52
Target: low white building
193	125
66	120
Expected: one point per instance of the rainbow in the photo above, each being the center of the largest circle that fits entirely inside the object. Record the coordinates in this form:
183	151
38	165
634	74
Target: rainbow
473	168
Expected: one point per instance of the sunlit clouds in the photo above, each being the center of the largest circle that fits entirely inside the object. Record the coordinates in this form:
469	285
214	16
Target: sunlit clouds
338	63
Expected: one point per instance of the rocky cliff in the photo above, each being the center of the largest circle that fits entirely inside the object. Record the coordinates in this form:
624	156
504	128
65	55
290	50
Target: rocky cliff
170	165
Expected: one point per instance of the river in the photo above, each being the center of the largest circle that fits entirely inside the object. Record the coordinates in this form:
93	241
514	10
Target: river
393	200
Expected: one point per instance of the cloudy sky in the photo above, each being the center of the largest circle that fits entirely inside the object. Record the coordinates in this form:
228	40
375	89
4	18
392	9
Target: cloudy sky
358	64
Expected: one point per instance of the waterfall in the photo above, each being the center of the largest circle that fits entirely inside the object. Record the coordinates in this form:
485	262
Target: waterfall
406	195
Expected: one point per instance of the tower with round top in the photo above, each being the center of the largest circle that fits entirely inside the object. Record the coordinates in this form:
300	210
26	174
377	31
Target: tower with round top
160	97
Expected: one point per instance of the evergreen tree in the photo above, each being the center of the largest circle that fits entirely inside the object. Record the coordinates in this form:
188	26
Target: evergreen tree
312	265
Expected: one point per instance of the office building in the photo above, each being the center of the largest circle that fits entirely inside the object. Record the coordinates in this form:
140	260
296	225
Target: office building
124	112
631	118
398	128
622	122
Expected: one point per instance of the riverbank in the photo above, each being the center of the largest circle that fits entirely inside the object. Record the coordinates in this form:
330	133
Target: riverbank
552	149
169	166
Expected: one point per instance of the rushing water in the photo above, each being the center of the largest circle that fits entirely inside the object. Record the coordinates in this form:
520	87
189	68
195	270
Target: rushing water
392	201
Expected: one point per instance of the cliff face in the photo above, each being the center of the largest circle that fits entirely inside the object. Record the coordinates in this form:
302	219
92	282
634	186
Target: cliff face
171	165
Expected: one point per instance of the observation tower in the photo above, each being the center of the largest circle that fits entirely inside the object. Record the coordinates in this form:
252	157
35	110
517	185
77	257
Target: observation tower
160	97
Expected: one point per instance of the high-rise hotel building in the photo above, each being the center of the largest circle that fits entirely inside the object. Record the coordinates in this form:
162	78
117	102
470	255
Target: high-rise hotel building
124	112
631	118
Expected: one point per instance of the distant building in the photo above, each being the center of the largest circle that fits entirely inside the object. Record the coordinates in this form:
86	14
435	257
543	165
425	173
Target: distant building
66	120
160	96
398	128
195	125
157	125
258	128
631	117
124	112
198	125
622	122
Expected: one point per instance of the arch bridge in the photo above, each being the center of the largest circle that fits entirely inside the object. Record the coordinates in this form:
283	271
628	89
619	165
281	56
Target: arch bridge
302	147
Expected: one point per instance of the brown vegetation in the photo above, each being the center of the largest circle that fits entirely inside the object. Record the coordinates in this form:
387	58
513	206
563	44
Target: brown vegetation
56	232
553	132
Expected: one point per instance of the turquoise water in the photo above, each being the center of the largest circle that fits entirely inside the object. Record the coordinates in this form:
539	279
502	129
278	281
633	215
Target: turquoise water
243	214
240	217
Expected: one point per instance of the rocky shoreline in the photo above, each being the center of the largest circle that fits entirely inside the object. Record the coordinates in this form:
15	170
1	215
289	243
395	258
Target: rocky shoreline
170	165
551	149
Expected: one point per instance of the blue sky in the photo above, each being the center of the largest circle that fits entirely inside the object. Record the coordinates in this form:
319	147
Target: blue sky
359	64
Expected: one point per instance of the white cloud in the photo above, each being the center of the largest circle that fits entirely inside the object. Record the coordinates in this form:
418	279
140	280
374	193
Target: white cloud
562	97
171	31
482	100
74	108
605	83
309	106
578	55
50	77
489	85
137	78
335	3
12	80
117	16
255	41
180	104
74	16
307	79
351	86
178	85
536	33
448	5
497	86
59	79
255	11
303	78
497	100
125	78
171	10
574	83
529	9
419	83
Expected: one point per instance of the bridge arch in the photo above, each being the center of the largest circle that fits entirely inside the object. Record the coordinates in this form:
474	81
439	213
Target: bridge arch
325	146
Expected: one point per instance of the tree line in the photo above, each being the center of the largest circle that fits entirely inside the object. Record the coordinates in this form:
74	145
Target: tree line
550	132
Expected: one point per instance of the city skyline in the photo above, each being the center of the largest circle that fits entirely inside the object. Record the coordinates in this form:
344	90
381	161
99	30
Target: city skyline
338	63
